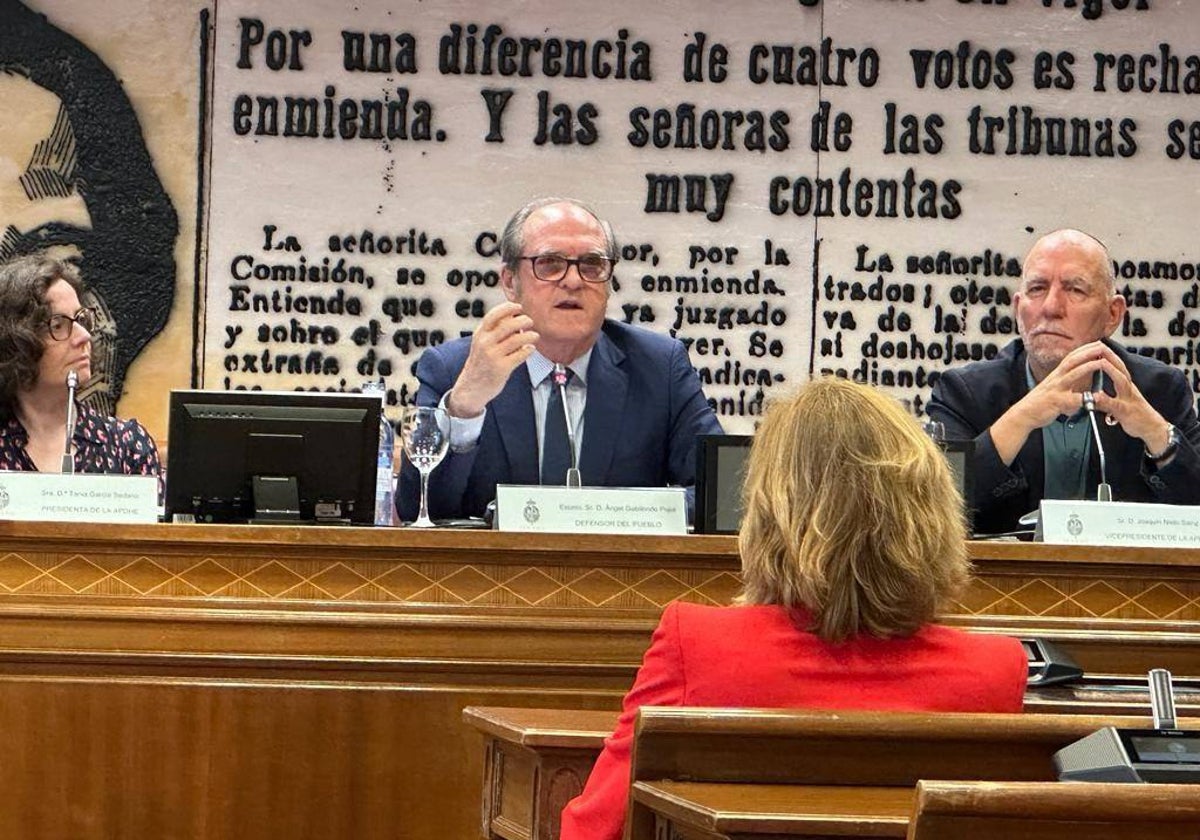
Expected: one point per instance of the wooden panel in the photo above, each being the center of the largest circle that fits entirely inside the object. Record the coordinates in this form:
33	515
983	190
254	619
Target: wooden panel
87	758
992	811
483	568
687	809
413	626
538	761
855	748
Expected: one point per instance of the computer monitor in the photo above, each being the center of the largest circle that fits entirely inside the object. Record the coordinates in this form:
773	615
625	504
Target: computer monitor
720	469
960	455
272	456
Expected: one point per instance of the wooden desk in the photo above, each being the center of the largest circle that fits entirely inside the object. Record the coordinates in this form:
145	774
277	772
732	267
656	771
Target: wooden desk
303	651
991	811
1106	694
940	811
707	811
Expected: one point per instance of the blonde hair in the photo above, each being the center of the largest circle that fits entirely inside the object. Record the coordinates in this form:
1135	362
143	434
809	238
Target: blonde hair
850	512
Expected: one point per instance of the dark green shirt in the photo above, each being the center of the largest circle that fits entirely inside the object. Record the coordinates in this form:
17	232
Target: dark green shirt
1066	448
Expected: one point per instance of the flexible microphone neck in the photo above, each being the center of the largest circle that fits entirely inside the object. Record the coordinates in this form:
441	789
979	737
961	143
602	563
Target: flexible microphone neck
560	382
68	459
1103	490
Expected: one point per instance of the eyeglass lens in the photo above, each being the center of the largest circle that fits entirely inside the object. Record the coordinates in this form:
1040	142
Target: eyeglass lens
61	325
552	267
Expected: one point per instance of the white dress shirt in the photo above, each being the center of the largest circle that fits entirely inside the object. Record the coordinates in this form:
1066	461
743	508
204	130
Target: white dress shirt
465	432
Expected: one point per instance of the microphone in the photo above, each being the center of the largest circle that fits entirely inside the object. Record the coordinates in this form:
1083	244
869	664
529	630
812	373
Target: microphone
1104	489
68	460
560	381
1162	698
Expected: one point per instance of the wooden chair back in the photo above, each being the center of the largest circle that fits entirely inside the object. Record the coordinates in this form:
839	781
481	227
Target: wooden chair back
852	748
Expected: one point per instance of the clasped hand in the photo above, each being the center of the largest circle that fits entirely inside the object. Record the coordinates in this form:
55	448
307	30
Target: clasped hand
1060	392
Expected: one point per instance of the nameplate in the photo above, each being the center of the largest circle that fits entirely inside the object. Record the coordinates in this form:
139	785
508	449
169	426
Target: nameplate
82	497
1120	523
591	510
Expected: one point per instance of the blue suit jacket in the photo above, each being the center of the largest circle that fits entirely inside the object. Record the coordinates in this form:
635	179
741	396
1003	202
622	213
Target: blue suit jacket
970	399
644	411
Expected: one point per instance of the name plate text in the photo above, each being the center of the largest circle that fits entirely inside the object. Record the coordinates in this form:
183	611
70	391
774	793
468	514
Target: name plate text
1120	523
591	510
82	497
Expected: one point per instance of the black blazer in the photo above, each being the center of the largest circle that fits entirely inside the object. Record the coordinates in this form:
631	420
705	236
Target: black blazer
969	399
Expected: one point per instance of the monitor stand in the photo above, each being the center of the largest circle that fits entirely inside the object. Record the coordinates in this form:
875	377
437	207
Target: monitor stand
276	500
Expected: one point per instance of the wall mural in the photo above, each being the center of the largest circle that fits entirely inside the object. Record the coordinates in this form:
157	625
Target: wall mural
84	186
799	187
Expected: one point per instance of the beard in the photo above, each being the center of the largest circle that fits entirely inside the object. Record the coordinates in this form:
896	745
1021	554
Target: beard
1045	356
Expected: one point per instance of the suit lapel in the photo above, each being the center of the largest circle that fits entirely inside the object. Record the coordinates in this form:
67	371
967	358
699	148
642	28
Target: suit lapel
512	410
1032	457
607	386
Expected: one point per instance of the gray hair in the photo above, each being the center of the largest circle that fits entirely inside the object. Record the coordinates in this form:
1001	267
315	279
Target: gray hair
512	241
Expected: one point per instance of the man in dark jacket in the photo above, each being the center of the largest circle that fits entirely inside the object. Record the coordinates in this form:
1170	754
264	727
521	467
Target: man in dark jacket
1024	408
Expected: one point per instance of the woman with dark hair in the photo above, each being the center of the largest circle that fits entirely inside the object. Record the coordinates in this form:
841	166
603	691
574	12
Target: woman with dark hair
852	539
45	336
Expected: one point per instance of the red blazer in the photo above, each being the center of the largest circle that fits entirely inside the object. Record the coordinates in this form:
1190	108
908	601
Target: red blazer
758	657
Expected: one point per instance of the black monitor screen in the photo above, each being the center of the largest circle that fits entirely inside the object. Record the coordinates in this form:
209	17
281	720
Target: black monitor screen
960	456
720	468
272	456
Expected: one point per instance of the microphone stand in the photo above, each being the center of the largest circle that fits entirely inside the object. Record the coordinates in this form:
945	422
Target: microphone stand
68	459
560	380
1103	490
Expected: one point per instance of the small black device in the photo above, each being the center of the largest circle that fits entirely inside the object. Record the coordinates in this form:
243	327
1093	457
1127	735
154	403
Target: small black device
1049	664
272	457
720	470
1162	754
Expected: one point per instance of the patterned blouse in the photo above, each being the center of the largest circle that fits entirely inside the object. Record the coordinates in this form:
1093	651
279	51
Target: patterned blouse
103	444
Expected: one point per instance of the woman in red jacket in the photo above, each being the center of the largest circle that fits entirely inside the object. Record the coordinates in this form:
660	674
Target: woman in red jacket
852	538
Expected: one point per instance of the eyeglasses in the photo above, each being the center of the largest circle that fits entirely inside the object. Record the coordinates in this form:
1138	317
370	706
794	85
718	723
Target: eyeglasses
61	325
551	268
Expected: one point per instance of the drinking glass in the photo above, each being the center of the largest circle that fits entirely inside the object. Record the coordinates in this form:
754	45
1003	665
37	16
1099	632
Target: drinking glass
426	434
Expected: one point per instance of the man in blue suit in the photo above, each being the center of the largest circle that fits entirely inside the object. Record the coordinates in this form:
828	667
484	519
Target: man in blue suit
631	395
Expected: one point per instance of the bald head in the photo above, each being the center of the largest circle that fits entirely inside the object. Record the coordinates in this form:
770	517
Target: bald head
1083	246
1068	297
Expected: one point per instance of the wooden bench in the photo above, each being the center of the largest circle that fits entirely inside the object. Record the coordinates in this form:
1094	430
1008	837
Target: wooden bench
724	773
537	760
1035	811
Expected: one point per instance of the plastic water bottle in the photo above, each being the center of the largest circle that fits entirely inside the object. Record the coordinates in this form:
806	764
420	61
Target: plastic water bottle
385	506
